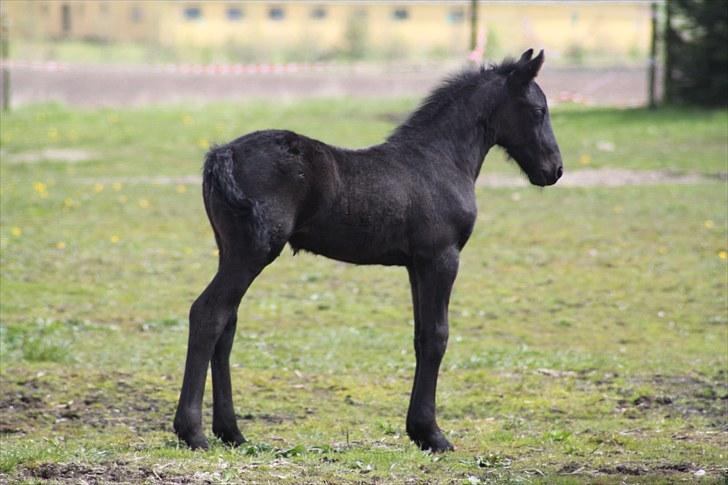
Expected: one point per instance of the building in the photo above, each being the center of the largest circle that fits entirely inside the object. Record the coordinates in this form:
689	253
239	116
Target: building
383	29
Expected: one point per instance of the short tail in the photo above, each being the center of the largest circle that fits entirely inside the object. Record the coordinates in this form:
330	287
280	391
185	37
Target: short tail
218	175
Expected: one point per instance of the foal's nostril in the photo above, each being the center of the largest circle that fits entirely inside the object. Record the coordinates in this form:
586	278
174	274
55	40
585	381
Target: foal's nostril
559	171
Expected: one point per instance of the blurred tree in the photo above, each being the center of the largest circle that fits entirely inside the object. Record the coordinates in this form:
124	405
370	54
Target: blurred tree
355	47
696	57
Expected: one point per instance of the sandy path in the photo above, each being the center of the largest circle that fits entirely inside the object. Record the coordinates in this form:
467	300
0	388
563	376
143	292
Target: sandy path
604	177
100	85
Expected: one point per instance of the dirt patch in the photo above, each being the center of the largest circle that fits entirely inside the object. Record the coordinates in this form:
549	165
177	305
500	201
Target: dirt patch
58	155
115	401
664	469
110	472
677	396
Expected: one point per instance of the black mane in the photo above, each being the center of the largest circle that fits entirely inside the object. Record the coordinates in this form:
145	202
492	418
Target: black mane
455	89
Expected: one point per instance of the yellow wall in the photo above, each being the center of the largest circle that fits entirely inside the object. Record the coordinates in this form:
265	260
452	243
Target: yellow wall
616	28
90	19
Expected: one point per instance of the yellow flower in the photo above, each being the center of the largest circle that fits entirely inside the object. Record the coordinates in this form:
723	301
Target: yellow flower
181	189
53	134
116	186
187	120
203	143
40	187
662	250
123	199
585	159
61	245
16	231
144	203
98	187
723	255
709	224
114	239
69	202
216	252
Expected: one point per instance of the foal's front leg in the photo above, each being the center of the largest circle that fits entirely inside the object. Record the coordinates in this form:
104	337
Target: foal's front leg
432	283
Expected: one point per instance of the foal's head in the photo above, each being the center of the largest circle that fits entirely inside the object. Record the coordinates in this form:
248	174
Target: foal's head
524	126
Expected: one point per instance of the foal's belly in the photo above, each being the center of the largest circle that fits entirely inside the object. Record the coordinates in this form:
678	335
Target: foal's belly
353	243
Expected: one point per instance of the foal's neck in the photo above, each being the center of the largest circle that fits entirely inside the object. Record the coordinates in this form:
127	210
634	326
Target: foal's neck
458	133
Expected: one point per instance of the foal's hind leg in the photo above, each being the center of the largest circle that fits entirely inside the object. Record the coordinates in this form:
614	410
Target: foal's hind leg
209	316
224	423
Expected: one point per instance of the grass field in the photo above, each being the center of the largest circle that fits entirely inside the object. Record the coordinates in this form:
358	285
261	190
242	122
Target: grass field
588	326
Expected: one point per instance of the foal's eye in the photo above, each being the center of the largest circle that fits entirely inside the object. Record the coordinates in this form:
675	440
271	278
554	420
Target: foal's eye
539	113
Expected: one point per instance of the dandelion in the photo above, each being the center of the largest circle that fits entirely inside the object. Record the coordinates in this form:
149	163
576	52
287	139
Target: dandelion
709	224
60	245
98	187
181	189
116	186
203	143
69	203
123	199
53	134
585	159
41	189
114	239
662	250
16	231
723	255
144	203
187	120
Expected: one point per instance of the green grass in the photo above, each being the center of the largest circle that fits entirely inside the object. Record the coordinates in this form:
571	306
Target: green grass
588	325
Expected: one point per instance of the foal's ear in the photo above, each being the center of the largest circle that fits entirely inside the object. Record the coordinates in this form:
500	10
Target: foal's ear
526	56
526	69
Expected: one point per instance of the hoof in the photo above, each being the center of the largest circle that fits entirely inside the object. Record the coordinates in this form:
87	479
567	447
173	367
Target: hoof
232	438
434	442
195	441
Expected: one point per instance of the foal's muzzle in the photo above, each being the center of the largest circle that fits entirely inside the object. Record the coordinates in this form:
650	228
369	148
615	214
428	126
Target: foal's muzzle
547	177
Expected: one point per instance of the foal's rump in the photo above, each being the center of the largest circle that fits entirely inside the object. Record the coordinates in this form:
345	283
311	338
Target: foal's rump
258	186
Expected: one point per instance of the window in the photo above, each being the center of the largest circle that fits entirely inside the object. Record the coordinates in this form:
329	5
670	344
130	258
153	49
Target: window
136	15
193	13
276	13
400	14
235	13
318	13
455	16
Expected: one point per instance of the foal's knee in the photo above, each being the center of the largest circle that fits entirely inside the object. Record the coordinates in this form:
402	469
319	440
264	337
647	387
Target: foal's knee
433	344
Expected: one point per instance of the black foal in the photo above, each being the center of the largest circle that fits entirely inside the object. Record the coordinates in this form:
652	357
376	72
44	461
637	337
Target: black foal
408	202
